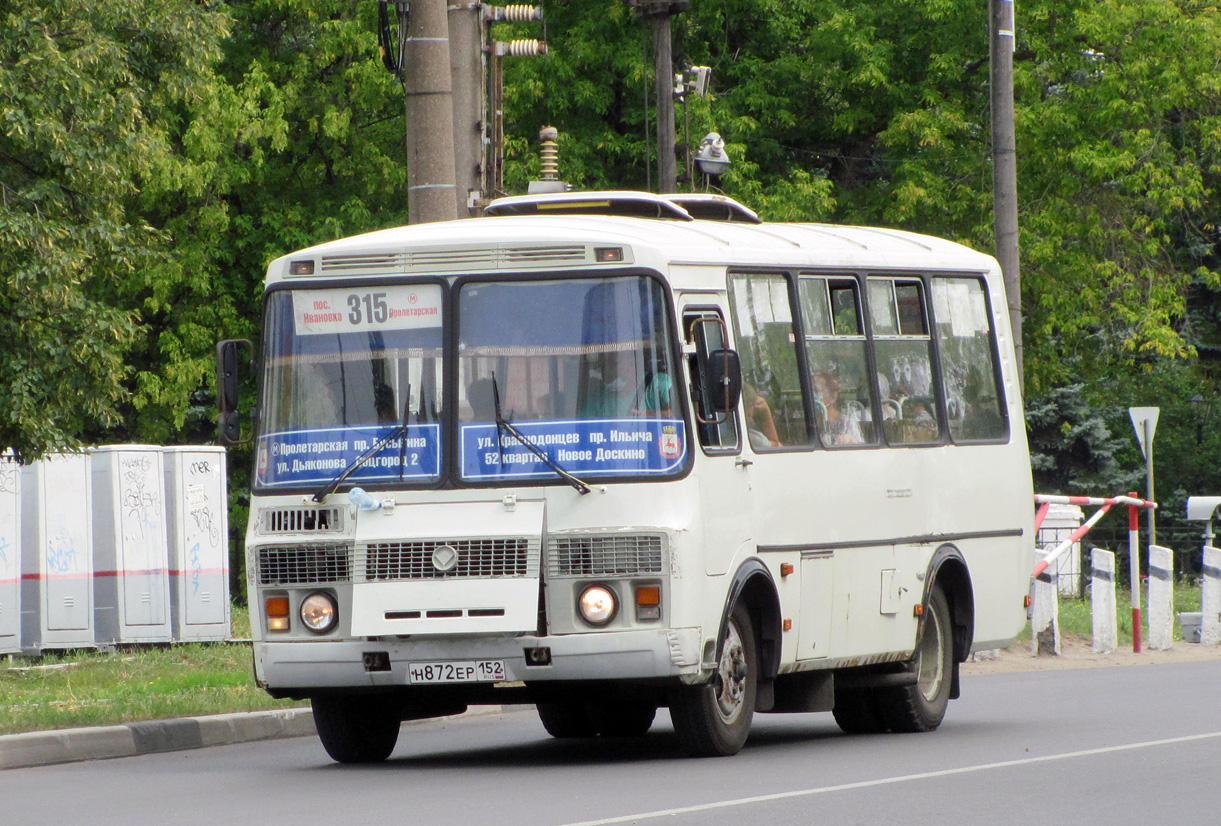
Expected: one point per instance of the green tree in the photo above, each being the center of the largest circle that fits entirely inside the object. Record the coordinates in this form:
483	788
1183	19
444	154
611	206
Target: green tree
88	96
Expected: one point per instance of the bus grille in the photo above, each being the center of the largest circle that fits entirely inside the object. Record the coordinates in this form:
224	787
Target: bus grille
301	520
429	559
304	564
605	555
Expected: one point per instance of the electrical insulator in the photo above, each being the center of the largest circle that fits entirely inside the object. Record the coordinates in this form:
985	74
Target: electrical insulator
518	14
549	152
521	48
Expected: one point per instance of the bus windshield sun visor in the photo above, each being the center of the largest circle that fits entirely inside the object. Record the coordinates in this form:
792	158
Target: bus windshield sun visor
503	424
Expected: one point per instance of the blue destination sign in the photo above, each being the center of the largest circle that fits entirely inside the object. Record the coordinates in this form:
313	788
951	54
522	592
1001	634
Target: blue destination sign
594	447
303	457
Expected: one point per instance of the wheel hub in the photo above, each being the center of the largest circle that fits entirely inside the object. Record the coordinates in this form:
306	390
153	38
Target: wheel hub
731	676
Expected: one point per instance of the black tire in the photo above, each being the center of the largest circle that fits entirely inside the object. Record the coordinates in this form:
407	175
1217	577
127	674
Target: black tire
358	728
856	712
567	720
921	707
623	719
713	720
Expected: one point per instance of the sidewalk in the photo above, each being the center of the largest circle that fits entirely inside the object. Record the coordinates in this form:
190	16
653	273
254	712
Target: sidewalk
44	748
41	748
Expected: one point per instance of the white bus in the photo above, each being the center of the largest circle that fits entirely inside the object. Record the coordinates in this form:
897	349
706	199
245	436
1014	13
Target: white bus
606	453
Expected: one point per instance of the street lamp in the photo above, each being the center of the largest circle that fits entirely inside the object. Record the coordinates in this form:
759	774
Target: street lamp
711	158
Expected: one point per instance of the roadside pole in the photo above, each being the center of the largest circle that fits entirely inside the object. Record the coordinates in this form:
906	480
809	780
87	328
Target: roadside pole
1004	164
1134	571
431	190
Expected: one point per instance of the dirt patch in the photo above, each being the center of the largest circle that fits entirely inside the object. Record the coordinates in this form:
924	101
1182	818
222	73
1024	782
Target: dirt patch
1076	653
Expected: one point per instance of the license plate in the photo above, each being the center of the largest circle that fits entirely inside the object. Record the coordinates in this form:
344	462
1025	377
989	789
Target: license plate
465	671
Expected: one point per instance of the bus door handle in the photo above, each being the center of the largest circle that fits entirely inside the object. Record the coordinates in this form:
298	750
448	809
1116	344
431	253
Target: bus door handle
741	462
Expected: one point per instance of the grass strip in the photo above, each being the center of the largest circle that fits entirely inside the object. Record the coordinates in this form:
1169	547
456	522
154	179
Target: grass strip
66	689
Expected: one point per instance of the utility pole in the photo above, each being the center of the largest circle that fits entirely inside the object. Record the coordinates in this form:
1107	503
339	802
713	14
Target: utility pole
467	67
431	190
658	13
1004	164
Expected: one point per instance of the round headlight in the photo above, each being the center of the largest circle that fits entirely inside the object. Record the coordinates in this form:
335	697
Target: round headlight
319	612
597	605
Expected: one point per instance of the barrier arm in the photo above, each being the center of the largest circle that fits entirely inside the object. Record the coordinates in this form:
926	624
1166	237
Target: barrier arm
1135	504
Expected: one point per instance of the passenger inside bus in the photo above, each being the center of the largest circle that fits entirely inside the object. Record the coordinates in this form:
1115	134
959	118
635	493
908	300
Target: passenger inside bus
621	386
760	426
839	426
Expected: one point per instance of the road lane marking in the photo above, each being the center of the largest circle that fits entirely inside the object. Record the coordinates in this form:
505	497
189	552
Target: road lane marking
885	781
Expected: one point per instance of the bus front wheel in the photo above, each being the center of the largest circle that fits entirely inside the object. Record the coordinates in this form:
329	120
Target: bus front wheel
713	719
358	728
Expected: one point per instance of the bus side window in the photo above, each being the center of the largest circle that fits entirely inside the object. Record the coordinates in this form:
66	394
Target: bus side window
839	366
968	368
767	345
903	349
706	330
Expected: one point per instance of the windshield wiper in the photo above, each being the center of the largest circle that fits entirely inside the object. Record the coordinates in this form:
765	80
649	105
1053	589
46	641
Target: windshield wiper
399	429
502	423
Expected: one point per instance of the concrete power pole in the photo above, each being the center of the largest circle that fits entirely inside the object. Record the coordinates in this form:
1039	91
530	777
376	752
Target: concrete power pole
431	191
1004	164
467	67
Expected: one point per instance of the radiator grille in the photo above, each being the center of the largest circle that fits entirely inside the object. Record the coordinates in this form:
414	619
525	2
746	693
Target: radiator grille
606	555
302	520
305	564
499	557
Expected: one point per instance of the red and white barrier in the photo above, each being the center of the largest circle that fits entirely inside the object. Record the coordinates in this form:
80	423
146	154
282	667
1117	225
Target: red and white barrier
1135	505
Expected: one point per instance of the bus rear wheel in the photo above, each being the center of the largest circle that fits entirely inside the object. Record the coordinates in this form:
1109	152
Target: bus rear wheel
627	719
856	711
713	720
358	728
921	707
566	720
609	719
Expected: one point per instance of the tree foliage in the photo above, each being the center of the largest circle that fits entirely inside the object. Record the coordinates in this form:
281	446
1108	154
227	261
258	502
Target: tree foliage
154	158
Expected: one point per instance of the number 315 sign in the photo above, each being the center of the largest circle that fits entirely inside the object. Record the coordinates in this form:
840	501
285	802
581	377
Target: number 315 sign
392	307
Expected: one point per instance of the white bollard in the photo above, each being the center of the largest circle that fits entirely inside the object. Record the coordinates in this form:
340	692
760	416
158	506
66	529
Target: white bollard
1102	601
1210	597
1045	617
1161	598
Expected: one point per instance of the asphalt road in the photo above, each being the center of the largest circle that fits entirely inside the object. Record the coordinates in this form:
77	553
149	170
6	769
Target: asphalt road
1132	745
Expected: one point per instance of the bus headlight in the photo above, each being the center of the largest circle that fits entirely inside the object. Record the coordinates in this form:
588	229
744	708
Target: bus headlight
597	605
319	612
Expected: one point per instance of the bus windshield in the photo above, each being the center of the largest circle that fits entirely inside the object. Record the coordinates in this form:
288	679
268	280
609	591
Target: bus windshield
581	367
343	368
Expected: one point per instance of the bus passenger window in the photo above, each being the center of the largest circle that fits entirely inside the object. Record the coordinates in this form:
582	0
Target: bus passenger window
767	345
903	350
835	350
968	370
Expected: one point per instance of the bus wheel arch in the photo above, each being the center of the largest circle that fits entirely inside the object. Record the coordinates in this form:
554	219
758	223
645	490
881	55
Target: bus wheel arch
754	587
947	571
713	719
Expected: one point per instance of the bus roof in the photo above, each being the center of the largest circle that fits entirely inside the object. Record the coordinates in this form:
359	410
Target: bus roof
545	241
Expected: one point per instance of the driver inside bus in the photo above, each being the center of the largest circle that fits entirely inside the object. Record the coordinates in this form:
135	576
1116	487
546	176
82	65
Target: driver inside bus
623	388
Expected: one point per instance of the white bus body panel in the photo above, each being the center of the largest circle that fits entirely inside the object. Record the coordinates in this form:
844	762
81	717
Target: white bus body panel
860	528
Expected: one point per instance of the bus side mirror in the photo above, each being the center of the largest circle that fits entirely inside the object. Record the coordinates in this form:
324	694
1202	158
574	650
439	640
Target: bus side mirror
723	379
229	420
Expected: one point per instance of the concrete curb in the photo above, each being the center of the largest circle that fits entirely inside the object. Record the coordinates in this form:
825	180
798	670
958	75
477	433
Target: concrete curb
70	745
42	748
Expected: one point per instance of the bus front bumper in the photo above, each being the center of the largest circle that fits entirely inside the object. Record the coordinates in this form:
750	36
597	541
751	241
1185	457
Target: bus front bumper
320	664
